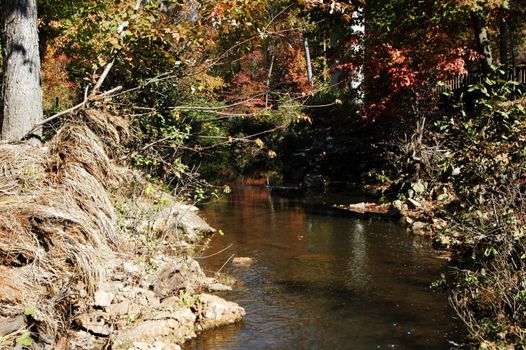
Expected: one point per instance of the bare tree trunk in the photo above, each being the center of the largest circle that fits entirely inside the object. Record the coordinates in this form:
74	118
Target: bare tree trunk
21	90
269	77
503	40
483	44
307	58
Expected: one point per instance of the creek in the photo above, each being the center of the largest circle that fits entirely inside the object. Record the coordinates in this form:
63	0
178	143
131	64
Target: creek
324	280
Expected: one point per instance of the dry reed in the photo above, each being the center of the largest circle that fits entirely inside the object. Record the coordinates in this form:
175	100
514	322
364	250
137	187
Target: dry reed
57	223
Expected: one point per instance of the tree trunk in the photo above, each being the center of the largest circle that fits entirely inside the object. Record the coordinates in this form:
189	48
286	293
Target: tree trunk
269	77
336	75
21	90
503	42
307	58
483	44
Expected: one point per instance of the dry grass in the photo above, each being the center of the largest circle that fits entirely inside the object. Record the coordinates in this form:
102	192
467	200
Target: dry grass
57	223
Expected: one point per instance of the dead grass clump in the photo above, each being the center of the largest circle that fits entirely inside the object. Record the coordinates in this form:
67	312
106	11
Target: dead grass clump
21	168
57	223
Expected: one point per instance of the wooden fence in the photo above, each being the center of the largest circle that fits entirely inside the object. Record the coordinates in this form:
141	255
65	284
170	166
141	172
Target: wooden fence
517	73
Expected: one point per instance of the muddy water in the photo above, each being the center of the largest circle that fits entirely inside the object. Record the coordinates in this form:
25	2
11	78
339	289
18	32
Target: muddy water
322	280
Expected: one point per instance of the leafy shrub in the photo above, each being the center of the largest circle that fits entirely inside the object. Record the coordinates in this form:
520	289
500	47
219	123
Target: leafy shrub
484	159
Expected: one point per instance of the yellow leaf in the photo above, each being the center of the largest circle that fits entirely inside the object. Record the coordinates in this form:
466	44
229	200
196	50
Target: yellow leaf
260	143
149	189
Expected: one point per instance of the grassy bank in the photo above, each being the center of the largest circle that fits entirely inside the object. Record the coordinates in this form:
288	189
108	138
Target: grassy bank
93	255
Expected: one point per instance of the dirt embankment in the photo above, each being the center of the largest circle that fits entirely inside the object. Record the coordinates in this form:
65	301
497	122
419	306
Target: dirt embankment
91	255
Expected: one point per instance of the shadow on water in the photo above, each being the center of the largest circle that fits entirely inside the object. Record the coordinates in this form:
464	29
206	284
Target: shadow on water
323	280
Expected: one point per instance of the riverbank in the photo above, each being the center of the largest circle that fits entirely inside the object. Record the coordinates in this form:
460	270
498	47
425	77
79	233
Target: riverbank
94	256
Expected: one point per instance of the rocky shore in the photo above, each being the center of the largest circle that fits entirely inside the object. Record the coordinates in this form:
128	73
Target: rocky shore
94	256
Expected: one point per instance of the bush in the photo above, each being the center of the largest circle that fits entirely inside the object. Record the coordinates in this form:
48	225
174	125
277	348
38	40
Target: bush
484	159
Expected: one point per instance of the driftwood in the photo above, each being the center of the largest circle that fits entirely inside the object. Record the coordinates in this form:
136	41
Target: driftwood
367	210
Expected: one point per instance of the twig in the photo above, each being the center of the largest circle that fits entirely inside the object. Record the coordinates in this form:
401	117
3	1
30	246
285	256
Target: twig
102	78
226	262
216	253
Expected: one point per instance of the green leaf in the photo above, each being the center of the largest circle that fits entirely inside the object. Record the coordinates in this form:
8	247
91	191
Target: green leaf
30	310
25	339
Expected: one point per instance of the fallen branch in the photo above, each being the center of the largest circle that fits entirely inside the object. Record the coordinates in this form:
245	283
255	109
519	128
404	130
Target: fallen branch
87	98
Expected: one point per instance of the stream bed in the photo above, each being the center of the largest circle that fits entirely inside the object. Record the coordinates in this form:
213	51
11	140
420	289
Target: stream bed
323	280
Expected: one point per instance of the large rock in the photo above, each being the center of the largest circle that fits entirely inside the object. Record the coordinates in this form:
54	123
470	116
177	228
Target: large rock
215	311
182	273
177	221
185	219
174	324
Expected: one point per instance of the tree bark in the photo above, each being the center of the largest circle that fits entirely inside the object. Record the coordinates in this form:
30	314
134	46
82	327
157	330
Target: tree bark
483	44
21	89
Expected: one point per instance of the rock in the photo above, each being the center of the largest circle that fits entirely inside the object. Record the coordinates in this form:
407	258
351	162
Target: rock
398	204
172	325
103	298
409	221
413	204
183	273
182	219
82	340
442	197
242	261
9	290
152	298
131	268
215	311
418	187
125	308
218	287
418	227
10	325
359	207
179	221
96	323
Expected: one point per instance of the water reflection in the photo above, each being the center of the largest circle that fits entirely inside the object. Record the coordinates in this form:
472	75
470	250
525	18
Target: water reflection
322	281
356	274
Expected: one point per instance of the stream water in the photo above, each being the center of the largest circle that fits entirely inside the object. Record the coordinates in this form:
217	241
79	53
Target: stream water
321	280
